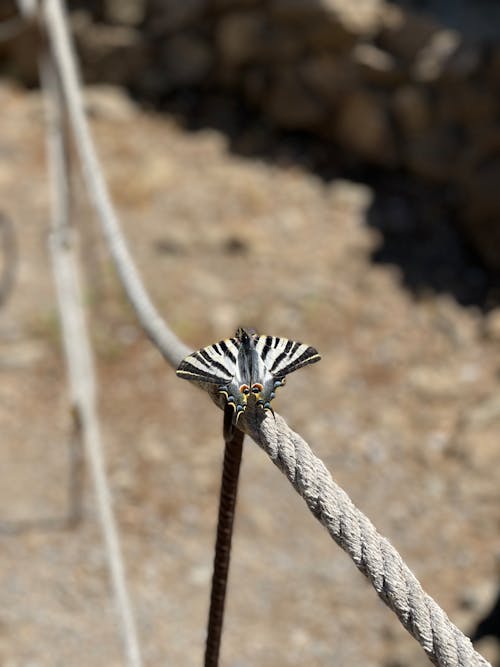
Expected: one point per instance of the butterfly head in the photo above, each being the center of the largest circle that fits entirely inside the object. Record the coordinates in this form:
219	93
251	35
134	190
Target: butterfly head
246	335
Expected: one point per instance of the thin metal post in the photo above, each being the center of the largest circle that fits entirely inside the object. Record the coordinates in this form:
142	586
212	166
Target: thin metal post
233	438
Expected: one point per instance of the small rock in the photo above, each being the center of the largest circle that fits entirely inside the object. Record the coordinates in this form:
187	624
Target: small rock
363	126
375	65
432	59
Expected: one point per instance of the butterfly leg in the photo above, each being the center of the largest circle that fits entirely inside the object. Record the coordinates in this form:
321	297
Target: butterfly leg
231	409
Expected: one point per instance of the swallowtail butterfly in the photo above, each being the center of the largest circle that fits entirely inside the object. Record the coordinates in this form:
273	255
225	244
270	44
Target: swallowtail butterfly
247	364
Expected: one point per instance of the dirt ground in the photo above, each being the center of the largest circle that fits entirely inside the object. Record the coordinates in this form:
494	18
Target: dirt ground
404	409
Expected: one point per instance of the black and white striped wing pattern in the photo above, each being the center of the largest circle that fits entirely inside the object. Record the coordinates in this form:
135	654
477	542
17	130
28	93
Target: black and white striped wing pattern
247	364
277	358
215	364
282	356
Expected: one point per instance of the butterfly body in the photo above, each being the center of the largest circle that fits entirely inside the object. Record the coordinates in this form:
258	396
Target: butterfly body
247	365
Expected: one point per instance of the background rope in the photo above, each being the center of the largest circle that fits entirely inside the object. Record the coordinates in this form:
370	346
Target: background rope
79	353
163	338
443	642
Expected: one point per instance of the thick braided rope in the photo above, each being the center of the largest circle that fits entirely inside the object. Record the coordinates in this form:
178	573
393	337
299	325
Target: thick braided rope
373	555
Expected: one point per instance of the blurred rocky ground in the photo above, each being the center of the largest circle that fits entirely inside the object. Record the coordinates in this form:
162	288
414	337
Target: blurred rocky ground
255	222
402	86
404	410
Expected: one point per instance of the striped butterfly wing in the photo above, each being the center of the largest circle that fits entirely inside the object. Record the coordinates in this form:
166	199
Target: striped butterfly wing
215	364
278	357
281	356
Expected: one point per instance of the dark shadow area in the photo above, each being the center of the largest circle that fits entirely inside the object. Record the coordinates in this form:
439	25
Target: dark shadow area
416	220
421	236
489	626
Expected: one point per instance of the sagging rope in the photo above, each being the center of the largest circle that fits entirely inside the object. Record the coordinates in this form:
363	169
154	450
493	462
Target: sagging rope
162	337
375	557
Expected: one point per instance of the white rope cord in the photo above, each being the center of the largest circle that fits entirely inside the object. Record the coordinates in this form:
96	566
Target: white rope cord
79	353
376	558
372	554
165	340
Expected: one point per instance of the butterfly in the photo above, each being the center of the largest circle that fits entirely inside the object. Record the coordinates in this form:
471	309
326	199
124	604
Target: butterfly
247	365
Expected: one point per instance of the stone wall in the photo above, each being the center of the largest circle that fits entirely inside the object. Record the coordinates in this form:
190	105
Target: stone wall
389	86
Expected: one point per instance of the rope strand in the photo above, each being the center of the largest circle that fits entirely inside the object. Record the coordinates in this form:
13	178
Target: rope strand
373	555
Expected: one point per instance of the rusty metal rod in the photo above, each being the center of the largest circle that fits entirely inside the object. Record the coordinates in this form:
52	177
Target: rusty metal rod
233	438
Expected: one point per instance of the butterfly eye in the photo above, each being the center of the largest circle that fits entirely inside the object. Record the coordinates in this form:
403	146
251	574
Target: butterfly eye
257	388
245	389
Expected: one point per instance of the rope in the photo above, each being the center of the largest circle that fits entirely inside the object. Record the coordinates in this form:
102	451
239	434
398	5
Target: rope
162	337
375	557
79	353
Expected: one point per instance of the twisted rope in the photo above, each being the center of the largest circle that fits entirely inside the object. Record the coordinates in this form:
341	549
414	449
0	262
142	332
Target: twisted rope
375	557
